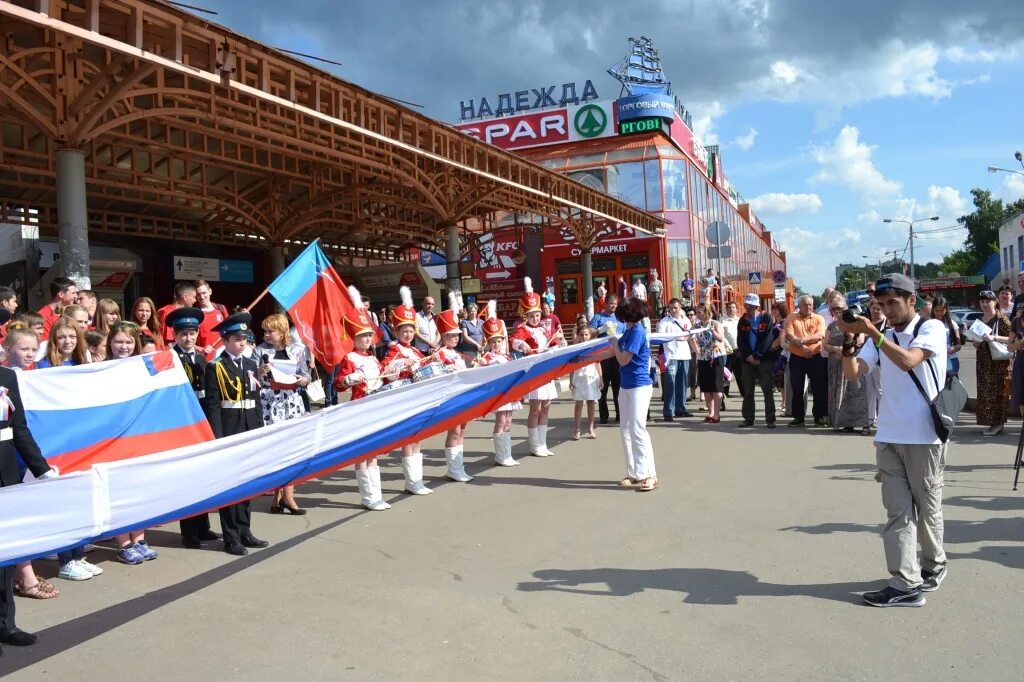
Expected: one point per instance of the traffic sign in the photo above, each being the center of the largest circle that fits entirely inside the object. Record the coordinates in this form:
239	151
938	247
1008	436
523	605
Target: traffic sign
754	277
779	277
780	294
719	252
718	233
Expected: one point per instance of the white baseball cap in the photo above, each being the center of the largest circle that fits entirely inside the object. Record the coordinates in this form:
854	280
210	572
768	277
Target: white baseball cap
752	299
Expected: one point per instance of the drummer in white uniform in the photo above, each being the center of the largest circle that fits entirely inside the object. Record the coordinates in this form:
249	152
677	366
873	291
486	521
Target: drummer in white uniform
496	336
399	364
361	372
531	338
451	333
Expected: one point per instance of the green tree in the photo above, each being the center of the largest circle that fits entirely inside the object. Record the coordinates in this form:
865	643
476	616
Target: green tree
982	232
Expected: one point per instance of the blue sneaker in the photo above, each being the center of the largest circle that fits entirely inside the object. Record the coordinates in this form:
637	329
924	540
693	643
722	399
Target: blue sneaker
129	555
147	552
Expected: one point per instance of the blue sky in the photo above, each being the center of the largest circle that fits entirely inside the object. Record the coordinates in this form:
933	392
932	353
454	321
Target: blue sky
831	116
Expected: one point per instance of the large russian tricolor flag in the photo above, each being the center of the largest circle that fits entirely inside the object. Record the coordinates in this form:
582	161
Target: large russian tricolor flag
317	300
110	411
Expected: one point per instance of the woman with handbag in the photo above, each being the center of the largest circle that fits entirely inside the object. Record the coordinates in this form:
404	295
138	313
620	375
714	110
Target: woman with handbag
281	401
992	372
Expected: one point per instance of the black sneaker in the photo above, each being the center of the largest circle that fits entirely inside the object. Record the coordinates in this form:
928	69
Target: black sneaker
796	422
932	580
666	418
890	596
744	425
820	422
771	425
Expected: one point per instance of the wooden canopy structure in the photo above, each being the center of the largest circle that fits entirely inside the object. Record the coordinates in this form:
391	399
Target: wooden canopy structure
193	132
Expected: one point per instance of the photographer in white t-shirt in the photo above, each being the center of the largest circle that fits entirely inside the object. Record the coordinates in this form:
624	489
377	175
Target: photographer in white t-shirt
910	455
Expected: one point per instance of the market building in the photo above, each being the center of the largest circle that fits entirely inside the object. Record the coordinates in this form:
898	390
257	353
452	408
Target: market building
639	148
141	144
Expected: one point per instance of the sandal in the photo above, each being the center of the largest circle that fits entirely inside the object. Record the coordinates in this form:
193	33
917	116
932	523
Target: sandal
576	434
592	434
628	482
648	484
43	589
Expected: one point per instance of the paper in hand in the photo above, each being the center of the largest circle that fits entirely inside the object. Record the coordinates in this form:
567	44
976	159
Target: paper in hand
977	331
284	372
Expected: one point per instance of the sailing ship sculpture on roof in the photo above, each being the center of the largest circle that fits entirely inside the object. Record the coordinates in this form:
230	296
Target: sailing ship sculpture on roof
640	73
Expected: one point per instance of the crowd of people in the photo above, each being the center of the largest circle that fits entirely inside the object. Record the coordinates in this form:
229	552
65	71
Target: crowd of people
240	383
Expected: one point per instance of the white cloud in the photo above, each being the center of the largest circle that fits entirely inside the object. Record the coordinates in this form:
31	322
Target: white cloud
746	141
848	162
1011	189
704	124
945	202
777	203
962	55
785	72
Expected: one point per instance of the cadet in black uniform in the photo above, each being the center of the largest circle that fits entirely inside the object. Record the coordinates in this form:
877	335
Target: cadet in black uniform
232	406
15	439
185	323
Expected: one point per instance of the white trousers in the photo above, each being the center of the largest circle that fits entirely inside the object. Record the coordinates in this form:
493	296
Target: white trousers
636	442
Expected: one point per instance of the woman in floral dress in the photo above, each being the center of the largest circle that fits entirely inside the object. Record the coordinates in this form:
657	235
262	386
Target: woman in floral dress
281	402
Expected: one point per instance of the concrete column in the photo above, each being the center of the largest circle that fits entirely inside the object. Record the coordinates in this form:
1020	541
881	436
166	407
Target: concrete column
72	214
586	261
453	256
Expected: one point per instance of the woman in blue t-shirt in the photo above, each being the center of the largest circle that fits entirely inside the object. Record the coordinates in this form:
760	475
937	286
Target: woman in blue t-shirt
633	353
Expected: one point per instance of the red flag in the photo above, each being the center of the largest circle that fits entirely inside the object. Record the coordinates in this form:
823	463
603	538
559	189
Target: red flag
317	300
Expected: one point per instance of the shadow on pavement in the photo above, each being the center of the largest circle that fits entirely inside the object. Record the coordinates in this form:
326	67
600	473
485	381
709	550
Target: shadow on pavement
700	585
59	638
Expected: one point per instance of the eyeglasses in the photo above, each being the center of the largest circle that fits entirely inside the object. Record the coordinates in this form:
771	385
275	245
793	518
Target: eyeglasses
835	310
987	295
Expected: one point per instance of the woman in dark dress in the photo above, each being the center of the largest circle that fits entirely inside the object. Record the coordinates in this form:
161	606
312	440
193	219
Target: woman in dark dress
992	374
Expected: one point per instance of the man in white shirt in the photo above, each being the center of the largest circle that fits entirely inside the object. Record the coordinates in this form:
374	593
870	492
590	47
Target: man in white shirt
910	455
677	361
427	338
640	290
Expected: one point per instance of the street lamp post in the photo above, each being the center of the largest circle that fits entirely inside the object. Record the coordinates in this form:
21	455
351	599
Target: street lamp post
910	224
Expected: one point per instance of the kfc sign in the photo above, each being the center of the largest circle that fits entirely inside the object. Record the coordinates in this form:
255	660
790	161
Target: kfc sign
528	130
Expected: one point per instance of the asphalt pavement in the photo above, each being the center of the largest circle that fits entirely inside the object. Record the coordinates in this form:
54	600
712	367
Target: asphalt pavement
747	563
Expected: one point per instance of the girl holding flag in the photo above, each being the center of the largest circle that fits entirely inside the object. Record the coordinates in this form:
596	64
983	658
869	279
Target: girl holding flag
451	333
497	354
531	338
361	372
398	364
21	346
124	342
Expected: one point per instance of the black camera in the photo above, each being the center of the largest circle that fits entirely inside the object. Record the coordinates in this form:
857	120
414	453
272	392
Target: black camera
851	313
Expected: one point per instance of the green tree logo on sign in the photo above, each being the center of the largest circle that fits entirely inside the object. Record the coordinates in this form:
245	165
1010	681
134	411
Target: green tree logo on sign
590	121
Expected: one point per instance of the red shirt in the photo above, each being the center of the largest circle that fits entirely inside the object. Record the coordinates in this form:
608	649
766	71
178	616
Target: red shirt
161	315
211	318
49	317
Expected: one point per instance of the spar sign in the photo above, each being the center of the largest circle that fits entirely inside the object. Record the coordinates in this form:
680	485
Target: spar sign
553	126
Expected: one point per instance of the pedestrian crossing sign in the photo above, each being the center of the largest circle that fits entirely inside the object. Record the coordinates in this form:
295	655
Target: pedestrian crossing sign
754	277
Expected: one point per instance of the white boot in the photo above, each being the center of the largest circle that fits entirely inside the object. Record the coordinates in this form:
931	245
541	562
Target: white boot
456	464
542	440
505	439
412	467
535	446
369	489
